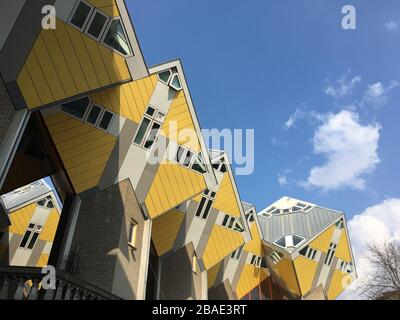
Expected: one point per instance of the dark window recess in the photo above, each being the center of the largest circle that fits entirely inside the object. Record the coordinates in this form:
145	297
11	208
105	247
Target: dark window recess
41	202
77	108
215	166
116	38
188	158
34	148
223	168
97	25
200	208
225	220
207	211
303	251
25	239
50	205
33	240
165	75
142	130
93	114
80	15
152	136
106	120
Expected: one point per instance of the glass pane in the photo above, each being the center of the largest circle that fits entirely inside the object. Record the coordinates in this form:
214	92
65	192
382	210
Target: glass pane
116	38
188	158
215	166
296	240
223	168
200	208
93	114
97	25
231	223
42	202
207	210
80	15
50	205
175	83
179	154
106	120
150	111
225	220
152	136
165	75
76	108
25	239
281	242
198	165
33	240
142	131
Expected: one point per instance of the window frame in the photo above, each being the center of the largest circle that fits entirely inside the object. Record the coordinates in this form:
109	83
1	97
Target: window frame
36	229
85	114
110	21
132	235
89	22
92	8
207	203
152	119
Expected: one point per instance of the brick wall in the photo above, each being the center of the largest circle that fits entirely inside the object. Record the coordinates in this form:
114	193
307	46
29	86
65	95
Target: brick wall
6	110
100	243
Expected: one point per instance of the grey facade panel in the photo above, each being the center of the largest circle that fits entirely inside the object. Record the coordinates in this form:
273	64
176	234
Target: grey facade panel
15	199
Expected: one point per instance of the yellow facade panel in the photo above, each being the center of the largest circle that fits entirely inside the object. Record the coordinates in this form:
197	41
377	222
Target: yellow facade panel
83	149
42	261
305	270
65	62
109	7
172	176
285	270
343	248
165	230
221	243
340	281
212	274
20	219
254	246
323	241
49	229
249	279
178	125
226	200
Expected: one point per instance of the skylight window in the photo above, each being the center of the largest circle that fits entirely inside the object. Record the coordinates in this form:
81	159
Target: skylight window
290	241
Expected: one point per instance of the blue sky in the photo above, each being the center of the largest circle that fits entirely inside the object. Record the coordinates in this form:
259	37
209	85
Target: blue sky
253	64
258	64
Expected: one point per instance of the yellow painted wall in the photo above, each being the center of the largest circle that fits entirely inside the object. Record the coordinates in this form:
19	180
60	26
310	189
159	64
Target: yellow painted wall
226	200
254	246
109	7
323	241
172	185
129	100
65	62
305	269
285	270
212	274
165	230
20	219
339	281
249	279
83	149
222	242
178	125
50	228
343	248
42	261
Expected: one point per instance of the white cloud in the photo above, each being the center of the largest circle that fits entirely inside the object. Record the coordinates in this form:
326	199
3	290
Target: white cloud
342	87
377	93
282	178
350	150
378	224
392	26
297	115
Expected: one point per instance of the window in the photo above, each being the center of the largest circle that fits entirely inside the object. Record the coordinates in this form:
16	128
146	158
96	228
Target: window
276	256
97	24
331	253
198	164
256	261
94	114
345	266
46	203
188	158
250	216
290	241
30	237
132	233
149	128
76	108
339	224
220	166
205	204
81	15
233	223
237	253
171	78
116	39
308	252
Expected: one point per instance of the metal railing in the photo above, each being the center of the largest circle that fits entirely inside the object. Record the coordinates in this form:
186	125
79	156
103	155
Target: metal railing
24	283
